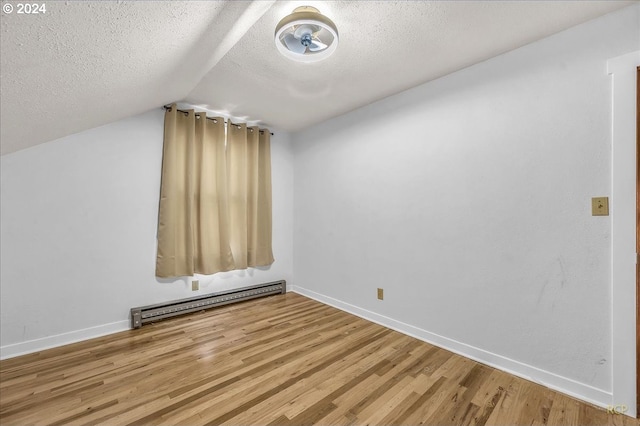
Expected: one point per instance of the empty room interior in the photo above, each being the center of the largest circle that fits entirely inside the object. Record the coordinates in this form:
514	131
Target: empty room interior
319	212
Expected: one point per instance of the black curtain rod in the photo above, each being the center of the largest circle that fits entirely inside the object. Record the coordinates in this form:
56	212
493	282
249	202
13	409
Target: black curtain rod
166	107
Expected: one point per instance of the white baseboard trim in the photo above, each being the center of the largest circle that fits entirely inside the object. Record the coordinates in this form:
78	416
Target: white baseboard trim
37	345
553	381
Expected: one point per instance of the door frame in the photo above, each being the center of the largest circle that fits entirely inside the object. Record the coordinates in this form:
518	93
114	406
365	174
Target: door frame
623	71
638	241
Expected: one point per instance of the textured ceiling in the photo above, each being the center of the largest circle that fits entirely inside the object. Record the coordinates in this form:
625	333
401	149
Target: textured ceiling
85	64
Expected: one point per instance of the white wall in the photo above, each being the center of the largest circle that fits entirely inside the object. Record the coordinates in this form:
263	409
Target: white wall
78	235
468	200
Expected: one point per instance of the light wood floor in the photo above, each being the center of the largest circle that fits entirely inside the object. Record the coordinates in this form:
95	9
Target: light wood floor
281	360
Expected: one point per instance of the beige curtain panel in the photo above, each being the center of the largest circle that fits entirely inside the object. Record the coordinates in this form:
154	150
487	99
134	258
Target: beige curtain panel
215	196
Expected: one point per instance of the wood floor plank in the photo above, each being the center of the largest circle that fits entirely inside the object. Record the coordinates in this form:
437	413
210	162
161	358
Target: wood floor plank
281	360
462	410
312	370
565	411
343	376
384	405
417	409
537	405
313	390
297	366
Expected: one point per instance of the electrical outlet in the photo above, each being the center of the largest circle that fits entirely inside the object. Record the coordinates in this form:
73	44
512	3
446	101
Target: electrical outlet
195	285
380	294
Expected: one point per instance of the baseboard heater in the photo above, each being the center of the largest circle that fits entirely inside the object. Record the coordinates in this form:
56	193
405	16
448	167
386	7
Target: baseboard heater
150	313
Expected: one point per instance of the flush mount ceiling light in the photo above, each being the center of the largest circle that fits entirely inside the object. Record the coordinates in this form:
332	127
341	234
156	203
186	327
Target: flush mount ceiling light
306	35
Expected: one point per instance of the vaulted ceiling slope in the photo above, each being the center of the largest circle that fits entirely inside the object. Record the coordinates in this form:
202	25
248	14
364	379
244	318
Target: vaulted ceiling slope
82	64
